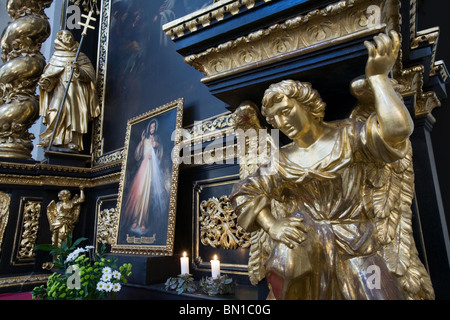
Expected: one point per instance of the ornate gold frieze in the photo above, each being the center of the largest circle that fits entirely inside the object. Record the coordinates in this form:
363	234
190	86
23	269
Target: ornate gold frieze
4	215
218	123
317	29
218	225
30	227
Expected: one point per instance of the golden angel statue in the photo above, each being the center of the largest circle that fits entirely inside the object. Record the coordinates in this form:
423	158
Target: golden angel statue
63	215
81	103
333	220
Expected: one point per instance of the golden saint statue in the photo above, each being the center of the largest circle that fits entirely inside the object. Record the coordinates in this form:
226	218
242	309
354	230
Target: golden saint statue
333	220
81	103
63	215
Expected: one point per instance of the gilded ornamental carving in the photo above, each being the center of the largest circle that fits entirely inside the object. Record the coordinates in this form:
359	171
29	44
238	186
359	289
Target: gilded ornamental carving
218	226
299	35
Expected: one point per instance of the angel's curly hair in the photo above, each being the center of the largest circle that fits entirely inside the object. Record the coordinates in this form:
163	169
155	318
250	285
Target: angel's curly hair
303	92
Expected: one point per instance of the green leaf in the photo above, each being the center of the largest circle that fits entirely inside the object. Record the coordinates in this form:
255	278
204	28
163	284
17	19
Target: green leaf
77	242
64	246
68	239
45	247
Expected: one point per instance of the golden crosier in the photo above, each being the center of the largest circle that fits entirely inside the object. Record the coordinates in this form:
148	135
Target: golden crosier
338	206
23	65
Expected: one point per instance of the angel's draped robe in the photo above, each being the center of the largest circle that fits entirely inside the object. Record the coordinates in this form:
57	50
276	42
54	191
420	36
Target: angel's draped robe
341	250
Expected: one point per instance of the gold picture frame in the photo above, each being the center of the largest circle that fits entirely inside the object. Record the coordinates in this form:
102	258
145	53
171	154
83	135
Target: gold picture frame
148	183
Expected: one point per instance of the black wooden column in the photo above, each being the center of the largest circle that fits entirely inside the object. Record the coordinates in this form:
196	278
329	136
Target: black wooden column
429	215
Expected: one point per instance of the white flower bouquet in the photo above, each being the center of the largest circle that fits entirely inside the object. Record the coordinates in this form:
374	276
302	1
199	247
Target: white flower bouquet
83	274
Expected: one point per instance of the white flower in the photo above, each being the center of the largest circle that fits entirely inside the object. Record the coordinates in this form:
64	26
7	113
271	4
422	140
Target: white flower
116	274
74	254
106	277
107	270
108	286
116	287
70	258
89	247
101	286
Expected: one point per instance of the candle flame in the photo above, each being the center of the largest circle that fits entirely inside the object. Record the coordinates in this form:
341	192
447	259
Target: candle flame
184	254
215	257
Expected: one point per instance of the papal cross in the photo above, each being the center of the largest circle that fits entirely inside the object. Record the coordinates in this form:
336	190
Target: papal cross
87	25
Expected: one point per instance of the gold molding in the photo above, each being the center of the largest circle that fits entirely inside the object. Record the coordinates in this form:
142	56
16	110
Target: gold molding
23	280
204	17
58	181
338	22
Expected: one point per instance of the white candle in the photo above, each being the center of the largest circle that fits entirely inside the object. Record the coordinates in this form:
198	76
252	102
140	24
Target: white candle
184	264
215	267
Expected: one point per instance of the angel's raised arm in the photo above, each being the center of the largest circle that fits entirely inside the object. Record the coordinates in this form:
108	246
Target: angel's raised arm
395	123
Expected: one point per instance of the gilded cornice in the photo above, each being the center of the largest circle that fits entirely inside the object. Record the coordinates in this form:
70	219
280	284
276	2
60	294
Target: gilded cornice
320	28
204	17
60	181
411	81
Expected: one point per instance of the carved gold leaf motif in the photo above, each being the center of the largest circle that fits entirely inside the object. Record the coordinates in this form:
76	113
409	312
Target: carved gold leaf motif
218	226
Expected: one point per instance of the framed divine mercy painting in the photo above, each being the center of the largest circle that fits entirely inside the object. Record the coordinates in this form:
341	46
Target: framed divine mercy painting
148	184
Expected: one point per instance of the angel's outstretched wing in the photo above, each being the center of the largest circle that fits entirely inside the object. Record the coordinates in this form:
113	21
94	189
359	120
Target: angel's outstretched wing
389	193
247	117
52	212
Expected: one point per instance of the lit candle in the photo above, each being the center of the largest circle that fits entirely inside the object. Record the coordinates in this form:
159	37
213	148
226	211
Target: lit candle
184	264
215	267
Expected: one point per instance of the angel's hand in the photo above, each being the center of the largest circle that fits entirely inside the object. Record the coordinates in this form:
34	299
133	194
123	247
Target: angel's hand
382	56
289	231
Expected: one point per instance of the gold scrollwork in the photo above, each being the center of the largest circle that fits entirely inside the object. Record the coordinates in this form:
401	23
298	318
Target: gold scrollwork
30	226
218	225
107	221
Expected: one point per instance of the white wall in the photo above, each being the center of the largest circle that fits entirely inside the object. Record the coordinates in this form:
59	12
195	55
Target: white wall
54	14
